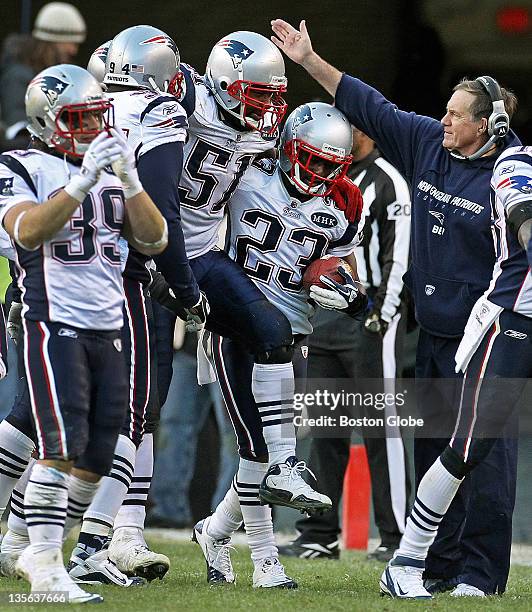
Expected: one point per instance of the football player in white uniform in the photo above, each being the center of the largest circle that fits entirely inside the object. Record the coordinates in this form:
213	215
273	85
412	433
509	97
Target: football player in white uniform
283	216
155	125
237	107
65	212
140	64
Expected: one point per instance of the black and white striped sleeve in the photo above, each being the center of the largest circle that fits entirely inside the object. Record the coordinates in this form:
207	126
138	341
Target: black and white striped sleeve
393	217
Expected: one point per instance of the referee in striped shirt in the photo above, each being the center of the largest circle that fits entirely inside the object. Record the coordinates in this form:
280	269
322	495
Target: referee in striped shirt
341	347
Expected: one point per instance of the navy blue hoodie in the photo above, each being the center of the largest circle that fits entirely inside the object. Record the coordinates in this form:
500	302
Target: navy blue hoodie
452	247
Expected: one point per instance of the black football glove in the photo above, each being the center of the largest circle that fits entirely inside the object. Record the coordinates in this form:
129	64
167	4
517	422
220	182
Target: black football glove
161	291
375	324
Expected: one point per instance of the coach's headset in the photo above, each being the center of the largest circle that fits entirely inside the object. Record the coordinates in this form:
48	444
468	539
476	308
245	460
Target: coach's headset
498	121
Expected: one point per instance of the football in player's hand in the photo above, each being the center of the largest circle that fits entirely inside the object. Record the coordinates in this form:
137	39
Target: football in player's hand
326	266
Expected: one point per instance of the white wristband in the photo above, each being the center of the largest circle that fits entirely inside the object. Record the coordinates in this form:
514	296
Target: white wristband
78	187
16	230
132	189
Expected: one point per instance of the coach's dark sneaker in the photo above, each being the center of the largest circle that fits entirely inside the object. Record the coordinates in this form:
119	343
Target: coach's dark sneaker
283	485
217	554
269	574
467	590
382	553
311	550
440	585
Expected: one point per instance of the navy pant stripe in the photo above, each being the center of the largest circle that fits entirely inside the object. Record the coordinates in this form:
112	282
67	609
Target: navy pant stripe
238	423
140	358
43	394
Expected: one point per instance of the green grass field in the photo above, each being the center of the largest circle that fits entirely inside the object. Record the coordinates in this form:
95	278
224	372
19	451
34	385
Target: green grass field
350	584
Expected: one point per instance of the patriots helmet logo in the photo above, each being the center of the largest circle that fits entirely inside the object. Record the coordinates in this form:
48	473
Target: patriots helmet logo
101	52
237	51
51	86
521	183
6	186
161	39
302	116
440	216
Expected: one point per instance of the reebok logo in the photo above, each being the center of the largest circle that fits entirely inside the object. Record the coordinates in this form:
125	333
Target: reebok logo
511	333
67	333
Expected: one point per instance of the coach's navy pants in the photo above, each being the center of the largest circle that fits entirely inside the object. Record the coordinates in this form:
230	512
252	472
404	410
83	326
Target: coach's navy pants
474	538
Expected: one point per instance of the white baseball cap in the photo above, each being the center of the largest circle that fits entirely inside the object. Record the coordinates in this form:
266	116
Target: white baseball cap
59	22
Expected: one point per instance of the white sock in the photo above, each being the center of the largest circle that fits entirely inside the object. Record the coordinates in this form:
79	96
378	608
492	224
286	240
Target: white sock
257	518
80	496
15	452
99	518
273	389
227	517
45	507
16	521
435	493
132	512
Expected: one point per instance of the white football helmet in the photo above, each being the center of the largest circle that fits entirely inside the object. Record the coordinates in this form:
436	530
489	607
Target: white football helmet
315	150
142	56
96	65
66	108
245	72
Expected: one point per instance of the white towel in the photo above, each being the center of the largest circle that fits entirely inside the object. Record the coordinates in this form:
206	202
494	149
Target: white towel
205	371
480	320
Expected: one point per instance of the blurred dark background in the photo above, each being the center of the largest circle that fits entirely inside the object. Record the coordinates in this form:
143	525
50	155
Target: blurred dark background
412	50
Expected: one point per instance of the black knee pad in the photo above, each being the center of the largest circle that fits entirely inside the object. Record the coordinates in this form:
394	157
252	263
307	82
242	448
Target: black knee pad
99	452
282	354
454	463
270	330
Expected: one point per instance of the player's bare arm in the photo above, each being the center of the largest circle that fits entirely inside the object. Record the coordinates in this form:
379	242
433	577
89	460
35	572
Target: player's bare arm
296	45
144	226
30	224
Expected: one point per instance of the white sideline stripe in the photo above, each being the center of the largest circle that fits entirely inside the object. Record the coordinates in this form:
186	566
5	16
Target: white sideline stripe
395	452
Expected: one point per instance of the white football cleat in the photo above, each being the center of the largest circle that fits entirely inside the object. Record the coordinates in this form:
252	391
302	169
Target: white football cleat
130	553
283	485
269	573
13	544
217	554
84	568
46	573
403	582
467	590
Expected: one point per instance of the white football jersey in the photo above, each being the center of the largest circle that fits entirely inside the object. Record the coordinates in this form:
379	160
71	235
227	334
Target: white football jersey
215	158
149	119
275	236
75	277
511	184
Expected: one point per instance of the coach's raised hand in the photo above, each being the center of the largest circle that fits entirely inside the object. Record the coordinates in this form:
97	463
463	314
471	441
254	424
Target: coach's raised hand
296	44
